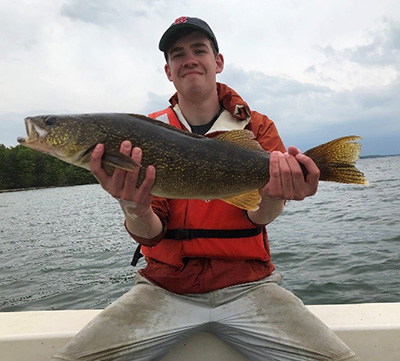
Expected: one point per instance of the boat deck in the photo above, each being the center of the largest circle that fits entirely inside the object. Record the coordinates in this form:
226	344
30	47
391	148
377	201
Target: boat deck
371	330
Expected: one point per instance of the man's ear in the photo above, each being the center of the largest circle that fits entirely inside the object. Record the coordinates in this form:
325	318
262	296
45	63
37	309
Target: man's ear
167	72
220	63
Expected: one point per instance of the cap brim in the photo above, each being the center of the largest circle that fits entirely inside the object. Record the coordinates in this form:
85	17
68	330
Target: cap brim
165	39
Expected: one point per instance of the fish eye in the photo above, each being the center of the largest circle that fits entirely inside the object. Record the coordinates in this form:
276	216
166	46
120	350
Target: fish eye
50	120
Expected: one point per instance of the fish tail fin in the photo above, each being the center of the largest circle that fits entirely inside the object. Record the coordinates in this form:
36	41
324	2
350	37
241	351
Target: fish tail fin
336	160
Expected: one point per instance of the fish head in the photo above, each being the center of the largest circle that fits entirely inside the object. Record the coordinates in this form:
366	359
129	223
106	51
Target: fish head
70	138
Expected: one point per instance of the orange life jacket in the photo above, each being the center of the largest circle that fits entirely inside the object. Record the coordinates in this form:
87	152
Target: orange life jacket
206	229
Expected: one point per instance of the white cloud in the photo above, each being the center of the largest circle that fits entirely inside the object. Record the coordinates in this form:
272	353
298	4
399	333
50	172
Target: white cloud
374	63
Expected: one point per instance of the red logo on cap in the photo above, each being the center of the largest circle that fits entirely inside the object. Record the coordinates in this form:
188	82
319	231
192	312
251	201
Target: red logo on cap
180	20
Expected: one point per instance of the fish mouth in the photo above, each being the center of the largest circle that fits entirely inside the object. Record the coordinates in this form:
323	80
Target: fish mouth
34	132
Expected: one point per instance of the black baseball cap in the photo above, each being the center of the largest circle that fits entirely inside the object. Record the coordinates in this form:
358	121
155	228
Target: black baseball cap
185	22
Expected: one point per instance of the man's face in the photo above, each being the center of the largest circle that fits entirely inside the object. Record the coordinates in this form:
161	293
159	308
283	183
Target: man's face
192	65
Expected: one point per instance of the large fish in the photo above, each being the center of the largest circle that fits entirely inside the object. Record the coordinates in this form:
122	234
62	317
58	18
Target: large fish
231	167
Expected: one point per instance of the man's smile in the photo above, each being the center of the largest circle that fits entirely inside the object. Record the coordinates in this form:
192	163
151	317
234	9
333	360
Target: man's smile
191	73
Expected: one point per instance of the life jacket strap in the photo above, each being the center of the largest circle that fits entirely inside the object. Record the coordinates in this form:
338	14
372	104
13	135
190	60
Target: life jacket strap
181	234
137	256
187	234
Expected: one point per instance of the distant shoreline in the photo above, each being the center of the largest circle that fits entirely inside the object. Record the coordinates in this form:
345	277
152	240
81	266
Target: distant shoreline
25	189
378	156
36	188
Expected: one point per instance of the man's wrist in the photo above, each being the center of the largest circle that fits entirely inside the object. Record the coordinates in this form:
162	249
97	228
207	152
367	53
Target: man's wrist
134	210
145	241
269	209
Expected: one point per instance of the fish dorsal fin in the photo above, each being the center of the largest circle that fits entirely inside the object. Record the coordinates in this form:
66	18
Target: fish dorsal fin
248	201
243	138
112	160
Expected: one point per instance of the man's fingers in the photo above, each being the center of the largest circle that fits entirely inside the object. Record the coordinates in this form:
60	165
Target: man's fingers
130	191
286	176
95	164
274	173
313	171
132	177
273	188
136	154
119	175
292	150
300	188
148	182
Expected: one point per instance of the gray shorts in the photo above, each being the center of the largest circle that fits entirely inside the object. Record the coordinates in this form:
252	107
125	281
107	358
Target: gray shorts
261	320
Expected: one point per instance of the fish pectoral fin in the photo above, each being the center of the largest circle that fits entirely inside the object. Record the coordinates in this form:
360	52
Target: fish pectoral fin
118	160
243	138
248	201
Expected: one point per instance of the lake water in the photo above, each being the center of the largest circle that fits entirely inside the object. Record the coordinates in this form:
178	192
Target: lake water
66	248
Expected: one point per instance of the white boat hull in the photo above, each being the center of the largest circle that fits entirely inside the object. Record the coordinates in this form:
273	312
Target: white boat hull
371	330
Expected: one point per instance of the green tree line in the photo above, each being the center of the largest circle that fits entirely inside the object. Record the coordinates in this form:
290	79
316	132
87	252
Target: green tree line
21	167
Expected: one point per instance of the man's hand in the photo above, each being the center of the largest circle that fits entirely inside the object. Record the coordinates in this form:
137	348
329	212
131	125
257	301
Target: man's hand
286	183
135	201
287	179
123	185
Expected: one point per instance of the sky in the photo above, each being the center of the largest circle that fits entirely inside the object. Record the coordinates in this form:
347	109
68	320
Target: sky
320	69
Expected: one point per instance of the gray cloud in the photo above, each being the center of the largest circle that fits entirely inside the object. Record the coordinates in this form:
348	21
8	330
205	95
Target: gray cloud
107	12
99	12
155	102
382	48
308	114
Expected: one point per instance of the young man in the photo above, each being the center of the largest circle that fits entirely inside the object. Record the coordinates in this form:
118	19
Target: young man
208	263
